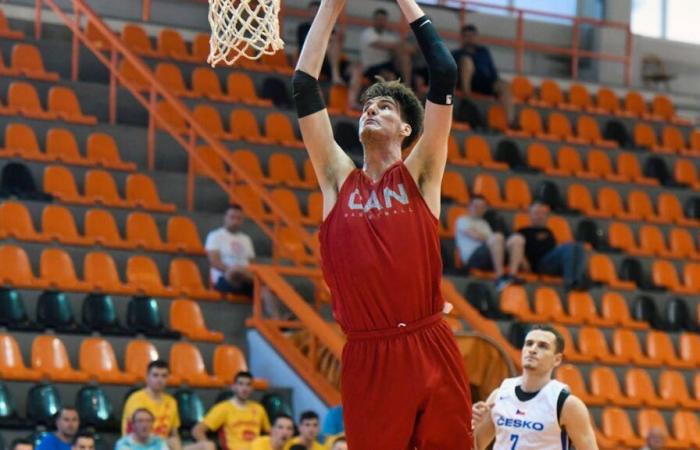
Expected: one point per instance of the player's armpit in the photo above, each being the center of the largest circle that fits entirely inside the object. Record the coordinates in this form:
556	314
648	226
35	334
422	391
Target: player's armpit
577	422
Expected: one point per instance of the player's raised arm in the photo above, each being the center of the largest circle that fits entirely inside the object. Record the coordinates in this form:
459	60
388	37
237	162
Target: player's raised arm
428	158
577	423
330	162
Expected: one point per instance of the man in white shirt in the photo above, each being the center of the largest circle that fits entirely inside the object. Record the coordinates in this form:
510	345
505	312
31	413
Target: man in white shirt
481	248
230	251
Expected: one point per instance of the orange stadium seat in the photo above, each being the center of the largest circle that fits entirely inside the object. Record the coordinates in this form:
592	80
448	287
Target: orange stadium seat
548	307
522	89
337	99
62	146
240	88
620	236
101	228
58	224
690	351
672	139
478	151
599	164
454	155
662	108
640	207
686	173
186	362
59	182
571	354
580	98
186	317
170	76
288	245
604	383
142	232
571	376
171	45
686	427
57	271
628	168
610	203
133	77
96	37
607	101
659	346
497	120
670	210
209	160
167	118
531	125
49	356
551	95
200	46
97	359
4	69
289	203
185	279
209	118
673	389
651	418
310	175
517	193
16	222
142	192
100	273
488	187
617	427
136	39
102	150
249	163
283	170
143	275
582	310
12	364
64	103
278	62
23	99
279	129
5	30
652	241
206	83
182	235
100	188
681	244
314	206
691	276
540	158
454	188
243	125
138	354
579	198
514	300
614	308
20	140
228	361
27	59
569	162
558	125
602	270
645	137
635	105
592	342
250	200
588	131
626	345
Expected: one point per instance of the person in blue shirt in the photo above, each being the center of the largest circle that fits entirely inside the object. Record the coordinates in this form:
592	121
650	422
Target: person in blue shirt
141	437
478	73
333	423
67	424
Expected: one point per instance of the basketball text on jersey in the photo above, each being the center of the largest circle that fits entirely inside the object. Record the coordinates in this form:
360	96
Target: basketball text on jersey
355	201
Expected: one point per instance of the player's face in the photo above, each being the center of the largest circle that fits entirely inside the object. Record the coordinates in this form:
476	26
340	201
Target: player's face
157	378
67	424
539	214
282	430
143	424
381	120
233	219
477	208
242	388
84	443
309	428
539	352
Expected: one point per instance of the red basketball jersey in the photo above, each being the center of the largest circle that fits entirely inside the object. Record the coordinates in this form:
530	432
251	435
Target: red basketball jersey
380	252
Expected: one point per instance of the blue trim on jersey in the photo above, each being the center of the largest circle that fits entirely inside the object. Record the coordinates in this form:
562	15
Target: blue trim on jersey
564	440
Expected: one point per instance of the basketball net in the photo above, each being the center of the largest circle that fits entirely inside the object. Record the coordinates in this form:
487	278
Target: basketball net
248	28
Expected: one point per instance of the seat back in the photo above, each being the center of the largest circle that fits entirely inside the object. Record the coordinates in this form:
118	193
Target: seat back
49	355
23	96
141	271
12	311
61	143
57	268
522	88
185	315
635	104
143	315
43	402
102	148
10	355
205	82
99	313
579	96
97	356
651	238
15	268
94	407
530	121
672	386
101	226
100	185
136	39
614	306
54	310
278	127
190	407
100	270
559	125
228	361
210	119
550	93
141	189
185	274
169	75
21	137
171	43
16	221
249	162
141	229
487	186
240	86
183	232
27	57
186	360
571	376
609	201
454	188
63	100
604	382
139	354
592	342
8	407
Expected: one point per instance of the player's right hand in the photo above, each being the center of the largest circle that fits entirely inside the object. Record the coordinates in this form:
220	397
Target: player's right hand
480	412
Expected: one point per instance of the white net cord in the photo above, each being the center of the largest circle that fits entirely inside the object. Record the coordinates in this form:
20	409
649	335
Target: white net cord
248	28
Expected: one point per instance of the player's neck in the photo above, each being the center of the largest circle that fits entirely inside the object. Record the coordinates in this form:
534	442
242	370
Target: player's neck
377	161
533	382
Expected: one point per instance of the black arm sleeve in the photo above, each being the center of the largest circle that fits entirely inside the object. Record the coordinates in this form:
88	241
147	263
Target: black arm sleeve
442	68
307	94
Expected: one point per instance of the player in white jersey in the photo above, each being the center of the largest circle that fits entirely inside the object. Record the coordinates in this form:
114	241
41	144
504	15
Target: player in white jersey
533	411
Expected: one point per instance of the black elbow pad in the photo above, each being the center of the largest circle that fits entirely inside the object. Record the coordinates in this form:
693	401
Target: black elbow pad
307	94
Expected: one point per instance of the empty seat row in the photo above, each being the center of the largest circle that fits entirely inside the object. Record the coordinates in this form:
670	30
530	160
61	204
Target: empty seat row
100	188
639	388
58	224
98	312
672	140
97	361
617	430
516	192
285	199
626	349
606	101
62	104
650	241
62	146
26	61
56	271
559	129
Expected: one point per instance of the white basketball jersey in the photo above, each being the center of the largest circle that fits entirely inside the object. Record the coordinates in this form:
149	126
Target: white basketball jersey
531	424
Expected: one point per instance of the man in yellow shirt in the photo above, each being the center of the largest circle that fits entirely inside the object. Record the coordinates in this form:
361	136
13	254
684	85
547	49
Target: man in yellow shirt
161	404
308	432
282	431
239	421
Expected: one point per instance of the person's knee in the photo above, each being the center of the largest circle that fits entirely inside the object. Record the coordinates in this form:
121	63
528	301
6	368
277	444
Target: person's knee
495	239
516	241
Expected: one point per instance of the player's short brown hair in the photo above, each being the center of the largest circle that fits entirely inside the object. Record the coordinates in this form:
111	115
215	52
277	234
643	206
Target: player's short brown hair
558	338
410	107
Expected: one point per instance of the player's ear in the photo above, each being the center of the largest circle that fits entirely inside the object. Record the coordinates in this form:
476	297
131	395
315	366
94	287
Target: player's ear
558	359
406	129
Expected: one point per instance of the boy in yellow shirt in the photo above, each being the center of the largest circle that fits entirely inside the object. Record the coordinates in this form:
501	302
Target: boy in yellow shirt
158	402
282	431
308	432
239	421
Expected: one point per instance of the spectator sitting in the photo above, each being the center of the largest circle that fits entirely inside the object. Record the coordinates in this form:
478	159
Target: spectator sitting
83	441
481	248
239	421
308	432
545	256
334	66
21	444
382	54
141	436
339	444
333	423
230	251
477	72
159	403
280	434
656	439
67	424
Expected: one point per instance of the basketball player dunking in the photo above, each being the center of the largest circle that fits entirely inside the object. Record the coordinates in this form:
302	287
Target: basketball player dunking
403	381
533	411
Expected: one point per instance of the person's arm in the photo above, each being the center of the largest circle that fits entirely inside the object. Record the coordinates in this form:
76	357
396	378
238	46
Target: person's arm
482	424
199	432
214	257
429	156
577	422
492	65
330	162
